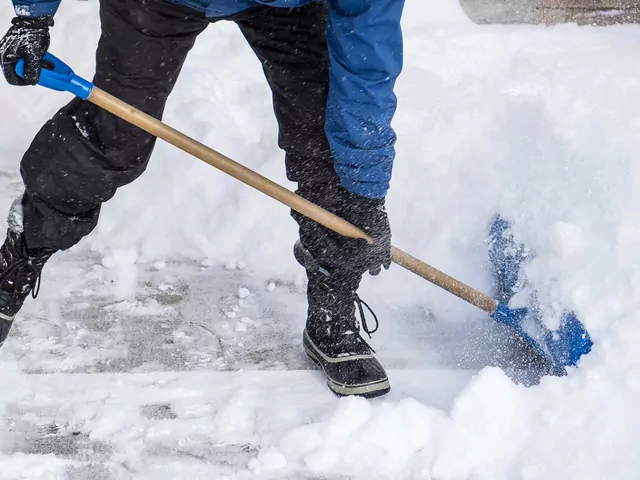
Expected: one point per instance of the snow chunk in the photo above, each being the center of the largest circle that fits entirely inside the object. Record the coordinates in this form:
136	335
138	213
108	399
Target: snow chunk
16	216
322	460
160	265
272	459
351	414
206	263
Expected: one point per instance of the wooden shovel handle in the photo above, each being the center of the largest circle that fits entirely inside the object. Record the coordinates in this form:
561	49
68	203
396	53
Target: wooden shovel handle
159	129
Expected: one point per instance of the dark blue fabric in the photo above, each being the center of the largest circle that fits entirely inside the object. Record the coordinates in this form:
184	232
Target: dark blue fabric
35	8
365	47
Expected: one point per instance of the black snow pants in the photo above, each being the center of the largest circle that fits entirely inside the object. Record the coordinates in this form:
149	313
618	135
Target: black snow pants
83	154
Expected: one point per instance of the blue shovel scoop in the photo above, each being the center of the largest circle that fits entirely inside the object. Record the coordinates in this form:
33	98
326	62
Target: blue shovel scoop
561	348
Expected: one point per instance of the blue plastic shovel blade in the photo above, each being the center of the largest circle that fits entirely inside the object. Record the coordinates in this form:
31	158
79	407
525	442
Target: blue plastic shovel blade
562	347
506	257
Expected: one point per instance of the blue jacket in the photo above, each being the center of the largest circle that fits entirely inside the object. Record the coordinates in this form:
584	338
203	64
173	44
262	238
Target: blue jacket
365	48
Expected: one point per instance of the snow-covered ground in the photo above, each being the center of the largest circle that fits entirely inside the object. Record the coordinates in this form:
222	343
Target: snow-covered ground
166	345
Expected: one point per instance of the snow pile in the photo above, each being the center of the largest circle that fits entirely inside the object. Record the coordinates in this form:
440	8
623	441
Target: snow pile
538	123
360	439
495	430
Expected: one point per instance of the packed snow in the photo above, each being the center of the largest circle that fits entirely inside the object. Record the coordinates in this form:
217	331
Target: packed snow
167	344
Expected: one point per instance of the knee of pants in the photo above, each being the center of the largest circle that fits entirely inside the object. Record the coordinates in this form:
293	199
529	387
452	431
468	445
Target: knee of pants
71	169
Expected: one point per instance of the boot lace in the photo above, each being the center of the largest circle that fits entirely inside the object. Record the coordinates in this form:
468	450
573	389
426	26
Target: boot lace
363	318
22	266
362	322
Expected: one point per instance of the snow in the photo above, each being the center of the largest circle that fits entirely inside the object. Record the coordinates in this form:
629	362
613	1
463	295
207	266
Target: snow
146	358
212	421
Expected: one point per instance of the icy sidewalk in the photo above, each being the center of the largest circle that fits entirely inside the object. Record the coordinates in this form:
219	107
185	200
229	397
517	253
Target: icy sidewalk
141	318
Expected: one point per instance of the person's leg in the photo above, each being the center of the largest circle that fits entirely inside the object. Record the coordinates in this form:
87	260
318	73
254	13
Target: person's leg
291	44
83	154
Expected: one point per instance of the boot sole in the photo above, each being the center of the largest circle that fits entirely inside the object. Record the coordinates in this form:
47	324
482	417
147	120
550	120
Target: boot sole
368	390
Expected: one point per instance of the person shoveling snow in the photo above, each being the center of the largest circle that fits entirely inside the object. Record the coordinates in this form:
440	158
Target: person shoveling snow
339	206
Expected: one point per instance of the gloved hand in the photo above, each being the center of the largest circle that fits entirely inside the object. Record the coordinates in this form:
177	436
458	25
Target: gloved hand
335	252
28	39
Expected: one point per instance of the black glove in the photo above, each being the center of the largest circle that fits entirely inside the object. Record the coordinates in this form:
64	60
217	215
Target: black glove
28	39
335	252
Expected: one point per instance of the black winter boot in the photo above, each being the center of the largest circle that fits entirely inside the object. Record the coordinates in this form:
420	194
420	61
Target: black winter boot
19	275
332	336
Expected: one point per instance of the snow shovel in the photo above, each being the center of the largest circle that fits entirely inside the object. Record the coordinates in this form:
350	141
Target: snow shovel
561	348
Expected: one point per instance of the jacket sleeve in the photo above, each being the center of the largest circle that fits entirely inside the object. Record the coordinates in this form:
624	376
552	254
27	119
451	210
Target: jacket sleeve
35	8
365	48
